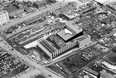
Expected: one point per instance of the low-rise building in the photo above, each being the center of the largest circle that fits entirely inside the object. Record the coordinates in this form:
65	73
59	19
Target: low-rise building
39	4
28	9
70	32
57	12
13	10
4	17
84	41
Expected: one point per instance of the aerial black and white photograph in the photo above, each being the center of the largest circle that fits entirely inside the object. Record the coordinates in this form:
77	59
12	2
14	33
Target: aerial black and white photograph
57	38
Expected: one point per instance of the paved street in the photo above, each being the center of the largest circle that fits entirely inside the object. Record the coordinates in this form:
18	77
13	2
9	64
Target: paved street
49	8
68	54
25	59
15	53
23	29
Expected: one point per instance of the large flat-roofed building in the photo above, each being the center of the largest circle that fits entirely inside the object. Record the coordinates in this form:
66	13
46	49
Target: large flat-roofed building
47	48
4	17
70	32
66	35
62	42
53	52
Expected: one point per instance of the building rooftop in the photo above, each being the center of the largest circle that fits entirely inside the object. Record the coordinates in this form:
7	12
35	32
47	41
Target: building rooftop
75	28
28	9
69	32
12	10
41	2
57	12
66	34
65	9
